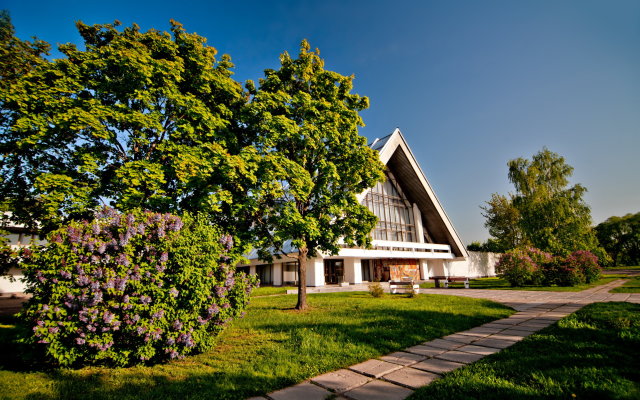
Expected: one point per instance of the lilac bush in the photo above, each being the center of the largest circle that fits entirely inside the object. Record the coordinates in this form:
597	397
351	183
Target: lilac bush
522	267
587	263
134	288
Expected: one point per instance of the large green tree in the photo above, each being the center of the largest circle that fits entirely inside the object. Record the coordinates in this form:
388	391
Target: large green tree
132	119
620	237
544	211
308	120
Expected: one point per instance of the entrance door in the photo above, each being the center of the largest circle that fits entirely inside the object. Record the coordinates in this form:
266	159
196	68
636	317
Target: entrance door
333	272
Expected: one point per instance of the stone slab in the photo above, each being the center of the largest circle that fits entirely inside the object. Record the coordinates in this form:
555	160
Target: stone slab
515	331
426	351
340	380
472	348
460	356
307	391
457	337
411	377
496	343
402	358
375	368
437	366
443	344
379	390
503	336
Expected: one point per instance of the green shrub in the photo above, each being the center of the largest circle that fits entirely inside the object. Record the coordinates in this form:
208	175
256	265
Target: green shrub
129	289
376	289
522	267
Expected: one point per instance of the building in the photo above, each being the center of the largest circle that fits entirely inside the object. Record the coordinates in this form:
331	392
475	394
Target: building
413	239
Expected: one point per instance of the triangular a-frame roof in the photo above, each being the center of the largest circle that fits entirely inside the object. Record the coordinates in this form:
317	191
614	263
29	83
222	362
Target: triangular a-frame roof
397	156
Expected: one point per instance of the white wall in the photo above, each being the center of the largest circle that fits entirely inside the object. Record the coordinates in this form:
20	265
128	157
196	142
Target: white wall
14	285
479	264
352	270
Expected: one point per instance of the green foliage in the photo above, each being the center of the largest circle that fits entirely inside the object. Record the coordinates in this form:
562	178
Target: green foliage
620	237
543	212
136	119
308	120
126	289
376	289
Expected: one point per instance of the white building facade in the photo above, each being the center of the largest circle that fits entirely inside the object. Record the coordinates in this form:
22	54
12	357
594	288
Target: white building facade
413	239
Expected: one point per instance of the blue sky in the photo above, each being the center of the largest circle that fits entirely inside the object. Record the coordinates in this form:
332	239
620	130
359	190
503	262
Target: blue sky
471	84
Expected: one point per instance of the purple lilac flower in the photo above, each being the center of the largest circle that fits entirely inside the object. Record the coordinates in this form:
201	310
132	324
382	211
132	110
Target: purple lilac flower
226	305
164	257
125	298
130	219
177	325
136	318
145	300
74	234
102	248
108	317
82	280
171	341
174	292
97	298
120	283
141	330
213	309
65	274
140	229
160	267
122	259
158	314
221	291
80	341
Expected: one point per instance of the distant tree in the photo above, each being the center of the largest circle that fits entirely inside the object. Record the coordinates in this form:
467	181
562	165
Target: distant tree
308	122
544	211
620	237
135	119
502	220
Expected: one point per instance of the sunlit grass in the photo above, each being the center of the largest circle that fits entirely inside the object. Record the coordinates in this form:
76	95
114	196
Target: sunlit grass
631	286
274	346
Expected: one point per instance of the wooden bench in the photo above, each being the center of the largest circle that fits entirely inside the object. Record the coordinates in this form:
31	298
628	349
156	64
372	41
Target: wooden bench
406	286
448	279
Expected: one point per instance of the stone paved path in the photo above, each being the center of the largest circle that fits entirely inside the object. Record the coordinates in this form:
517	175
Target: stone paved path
396	375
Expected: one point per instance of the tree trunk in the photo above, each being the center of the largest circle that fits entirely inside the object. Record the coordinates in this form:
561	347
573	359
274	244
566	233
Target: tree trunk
302	278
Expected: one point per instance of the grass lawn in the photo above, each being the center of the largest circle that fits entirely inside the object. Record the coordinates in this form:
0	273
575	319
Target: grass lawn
272	347
271	290
592	354
498	283
632	286
632	268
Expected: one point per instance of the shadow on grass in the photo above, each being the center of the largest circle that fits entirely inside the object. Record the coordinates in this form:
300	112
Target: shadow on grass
594	354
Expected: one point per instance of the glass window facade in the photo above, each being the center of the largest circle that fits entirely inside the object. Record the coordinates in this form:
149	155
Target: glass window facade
395	214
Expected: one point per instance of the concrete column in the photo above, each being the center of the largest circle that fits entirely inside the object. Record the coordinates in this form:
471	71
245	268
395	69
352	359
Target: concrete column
352	270
417	219
252	269
277	274
315	272
424	270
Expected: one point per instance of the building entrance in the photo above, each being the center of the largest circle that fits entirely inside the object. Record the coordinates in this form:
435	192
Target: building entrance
333	272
